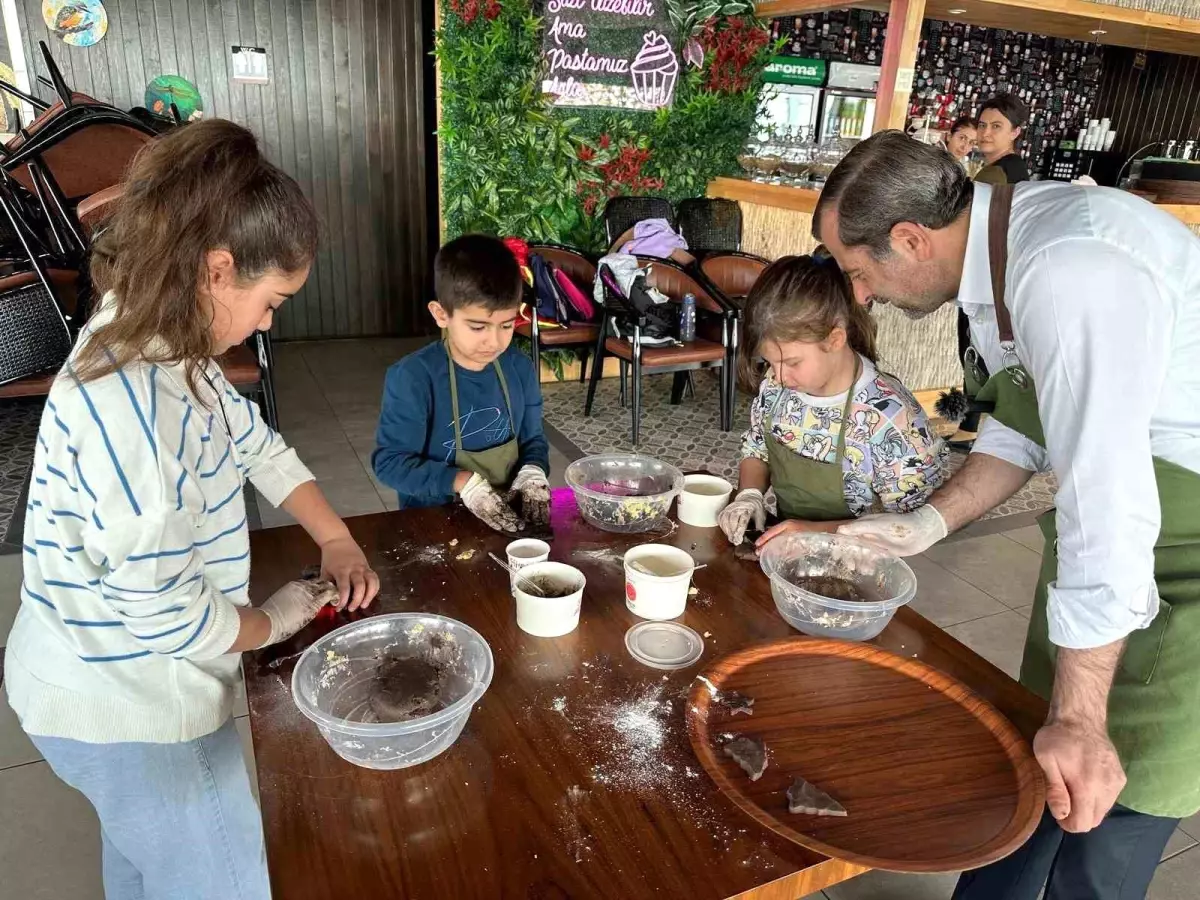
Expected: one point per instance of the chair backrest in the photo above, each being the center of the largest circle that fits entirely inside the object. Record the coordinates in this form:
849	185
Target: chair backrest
89	157
574	263
675	281
710	224
93	211
622	213
733	274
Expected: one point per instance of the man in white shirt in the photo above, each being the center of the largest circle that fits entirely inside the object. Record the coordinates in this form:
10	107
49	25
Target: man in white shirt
1084	307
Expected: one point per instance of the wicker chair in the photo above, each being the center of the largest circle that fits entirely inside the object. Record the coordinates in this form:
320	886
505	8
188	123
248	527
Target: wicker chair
622	213
710	225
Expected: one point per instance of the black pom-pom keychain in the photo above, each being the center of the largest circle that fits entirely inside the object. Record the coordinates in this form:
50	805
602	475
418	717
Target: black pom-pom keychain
952	405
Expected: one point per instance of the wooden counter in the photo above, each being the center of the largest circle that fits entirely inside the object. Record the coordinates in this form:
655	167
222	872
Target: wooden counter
542	795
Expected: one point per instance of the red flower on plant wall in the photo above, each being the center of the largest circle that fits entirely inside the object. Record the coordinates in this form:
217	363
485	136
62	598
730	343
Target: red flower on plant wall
469	10
733	44
620	176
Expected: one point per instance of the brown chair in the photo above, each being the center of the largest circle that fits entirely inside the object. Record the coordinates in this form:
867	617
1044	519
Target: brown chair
730	276
93	211
580	336
673	281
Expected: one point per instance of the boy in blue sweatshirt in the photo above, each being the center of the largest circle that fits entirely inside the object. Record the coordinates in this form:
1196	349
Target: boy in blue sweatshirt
464	416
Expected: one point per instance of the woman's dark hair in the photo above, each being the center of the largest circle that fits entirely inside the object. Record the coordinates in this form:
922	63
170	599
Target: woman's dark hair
1008	106
801	298
202	187
477	269
963	122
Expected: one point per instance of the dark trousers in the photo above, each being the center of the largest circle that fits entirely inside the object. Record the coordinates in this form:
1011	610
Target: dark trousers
1112	862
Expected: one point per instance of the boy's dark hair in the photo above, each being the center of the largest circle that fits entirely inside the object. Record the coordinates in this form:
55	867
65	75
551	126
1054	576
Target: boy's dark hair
963	122
477	269
1008	106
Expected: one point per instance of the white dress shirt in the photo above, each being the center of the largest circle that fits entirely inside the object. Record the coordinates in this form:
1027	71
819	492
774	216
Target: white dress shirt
1104	294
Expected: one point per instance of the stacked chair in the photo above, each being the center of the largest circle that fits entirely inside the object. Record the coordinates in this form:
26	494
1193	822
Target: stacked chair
60	177
580	336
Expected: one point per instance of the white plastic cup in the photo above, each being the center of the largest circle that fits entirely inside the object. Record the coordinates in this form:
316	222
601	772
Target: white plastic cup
550	616
702	499
522	553
661	592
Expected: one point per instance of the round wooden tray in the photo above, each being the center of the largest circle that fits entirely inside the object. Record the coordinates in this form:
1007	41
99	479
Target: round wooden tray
933	778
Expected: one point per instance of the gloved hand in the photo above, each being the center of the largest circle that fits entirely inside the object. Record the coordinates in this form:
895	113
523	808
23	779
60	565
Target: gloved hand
749	505
534	488
295	605
904	534
489	506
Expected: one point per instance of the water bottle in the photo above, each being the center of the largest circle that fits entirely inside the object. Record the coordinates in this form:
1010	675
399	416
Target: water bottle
687	319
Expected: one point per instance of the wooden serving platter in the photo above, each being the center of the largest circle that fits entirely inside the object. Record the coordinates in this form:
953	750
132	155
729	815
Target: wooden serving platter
933	778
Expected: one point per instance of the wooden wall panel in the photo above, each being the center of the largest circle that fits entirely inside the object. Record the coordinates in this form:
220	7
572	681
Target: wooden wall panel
344	113
1159	100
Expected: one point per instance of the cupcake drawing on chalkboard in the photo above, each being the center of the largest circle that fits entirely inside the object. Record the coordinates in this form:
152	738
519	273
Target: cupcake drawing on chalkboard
654	70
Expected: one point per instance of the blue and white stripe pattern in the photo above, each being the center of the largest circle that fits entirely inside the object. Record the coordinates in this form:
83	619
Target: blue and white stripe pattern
137	553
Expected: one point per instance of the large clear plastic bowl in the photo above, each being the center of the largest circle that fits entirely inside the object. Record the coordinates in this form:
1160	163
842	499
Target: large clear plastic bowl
332	678
624	492
793	557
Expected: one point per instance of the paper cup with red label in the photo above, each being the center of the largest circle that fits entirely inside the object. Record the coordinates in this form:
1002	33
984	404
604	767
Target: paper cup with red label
657	578
558	612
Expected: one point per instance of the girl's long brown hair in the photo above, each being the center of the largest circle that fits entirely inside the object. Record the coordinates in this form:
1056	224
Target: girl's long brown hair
801	298
202	187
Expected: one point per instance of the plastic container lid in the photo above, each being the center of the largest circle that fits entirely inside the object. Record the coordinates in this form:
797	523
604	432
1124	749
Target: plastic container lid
664	645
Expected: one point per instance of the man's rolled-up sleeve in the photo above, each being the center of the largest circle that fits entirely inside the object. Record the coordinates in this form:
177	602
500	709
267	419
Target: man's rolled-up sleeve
997	439
1094	330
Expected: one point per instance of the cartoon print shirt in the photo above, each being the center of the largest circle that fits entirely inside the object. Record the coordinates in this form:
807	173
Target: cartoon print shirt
894	460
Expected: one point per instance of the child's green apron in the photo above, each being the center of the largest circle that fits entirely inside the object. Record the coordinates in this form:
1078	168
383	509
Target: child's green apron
810	489
1154	704
496	464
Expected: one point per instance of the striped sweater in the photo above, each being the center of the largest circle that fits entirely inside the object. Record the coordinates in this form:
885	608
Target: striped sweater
137	553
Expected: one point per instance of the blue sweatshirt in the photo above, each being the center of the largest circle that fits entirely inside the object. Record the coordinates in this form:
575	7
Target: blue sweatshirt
414	444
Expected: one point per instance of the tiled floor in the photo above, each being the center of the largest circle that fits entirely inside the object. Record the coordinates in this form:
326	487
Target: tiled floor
978	588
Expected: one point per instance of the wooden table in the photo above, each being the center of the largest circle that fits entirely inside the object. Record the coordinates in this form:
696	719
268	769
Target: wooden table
556	788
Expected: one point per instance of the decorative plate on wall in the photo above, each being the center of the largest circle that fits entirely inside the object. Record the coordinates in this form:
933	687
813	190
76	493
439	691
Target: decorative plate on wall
167	89
80	23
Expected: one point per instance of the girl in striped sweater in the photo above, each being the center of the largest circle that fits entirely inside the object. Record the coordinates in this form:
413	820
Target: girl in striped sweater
122	662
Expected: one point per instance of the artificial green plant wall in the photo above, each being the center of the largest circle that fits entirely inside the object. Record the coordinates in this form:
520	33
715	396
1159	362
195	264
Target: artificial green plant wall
512	164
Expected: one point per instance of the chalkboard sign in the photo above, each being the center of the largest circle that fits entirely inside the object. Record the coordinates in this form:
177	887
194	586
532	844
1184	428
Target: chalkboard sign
618	53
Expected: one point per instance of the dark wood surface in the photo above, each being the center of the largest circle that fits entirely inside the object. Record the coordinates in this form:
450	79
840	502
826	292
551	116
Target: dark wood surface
573	777
933	778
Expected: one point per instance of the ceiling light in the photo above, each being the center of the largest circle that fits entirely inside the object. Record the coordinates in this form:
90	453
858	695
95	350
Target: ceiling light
1097	32
957	11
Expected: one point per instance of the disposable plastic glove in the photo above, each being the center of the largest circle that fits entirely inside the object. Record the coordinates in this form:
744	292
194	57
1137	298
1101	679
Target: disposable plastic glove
749	505
489	506
534	489
903	534
295	605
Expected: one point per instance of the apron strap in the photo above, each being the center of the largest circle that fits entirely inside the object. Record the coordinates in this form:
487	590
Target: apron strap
998	212
454	398
841	444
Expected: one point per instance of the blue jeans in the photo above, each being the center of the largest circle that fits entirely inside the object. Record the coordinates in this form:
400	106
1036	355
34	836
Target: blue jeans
177	821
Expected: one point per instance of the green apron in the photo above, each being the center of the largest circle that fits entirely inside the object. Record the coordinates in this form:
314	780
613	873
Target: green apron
1154	704
496	464
810	489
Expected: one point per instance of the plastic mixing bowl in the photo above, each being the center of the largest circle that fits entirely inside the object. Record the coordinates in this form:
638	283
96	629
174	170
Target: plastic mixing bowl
624	492
332	679
797	562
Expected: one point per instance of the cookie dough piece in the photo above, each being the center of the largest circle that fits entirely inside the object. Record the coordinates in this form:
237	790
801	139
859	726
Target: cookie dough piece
405	688
749	753
737	703
810	800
